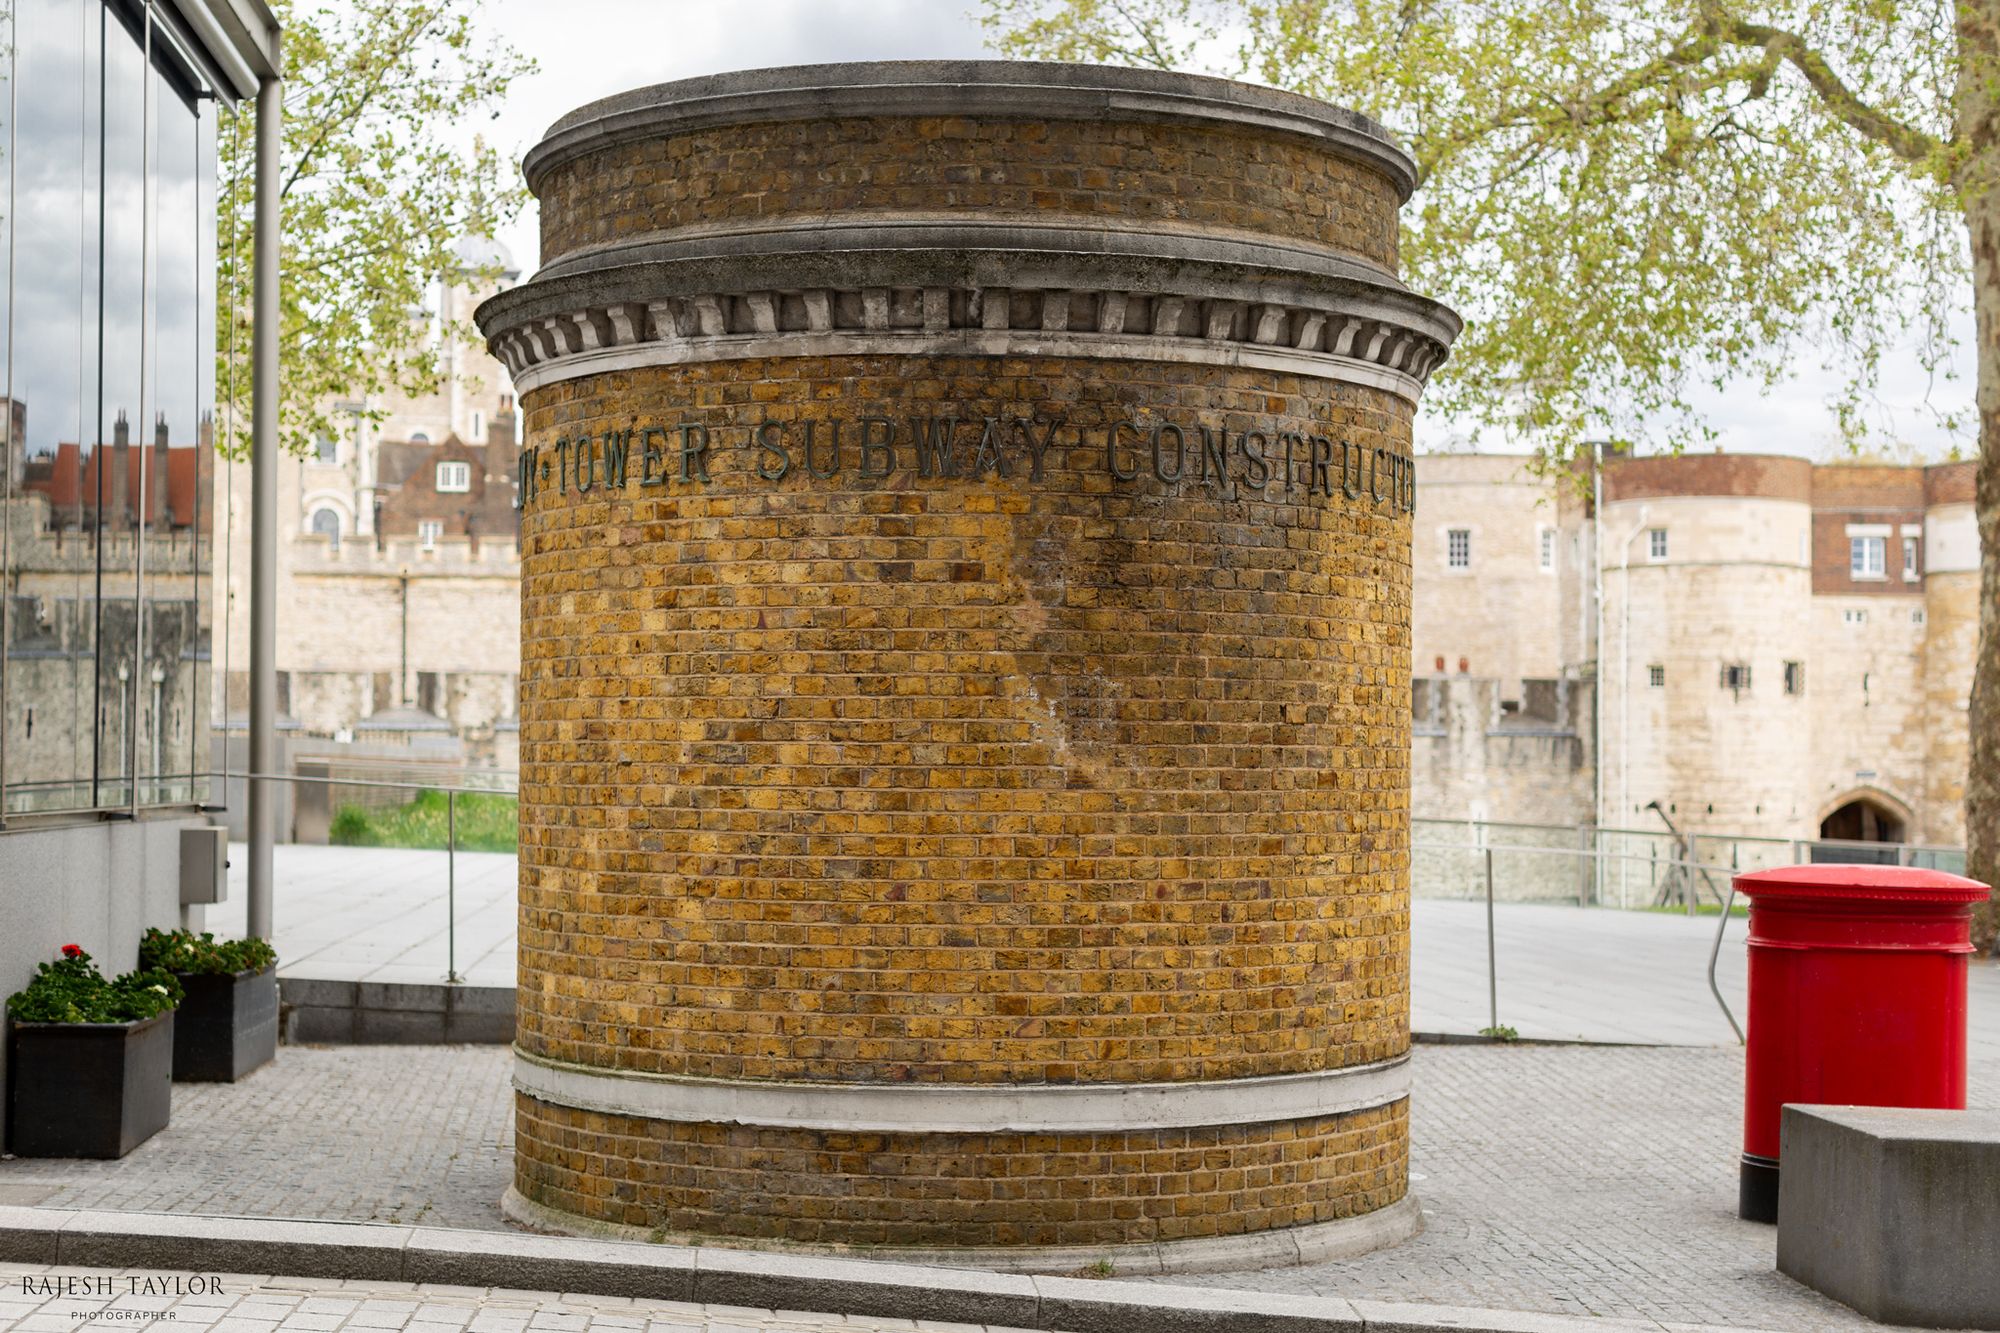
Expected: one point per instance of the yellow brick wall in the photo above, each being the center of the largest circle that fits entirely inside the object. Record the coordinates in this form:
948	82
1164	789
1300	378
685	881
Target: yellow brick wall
957	780
961	780
917	1190
1213	180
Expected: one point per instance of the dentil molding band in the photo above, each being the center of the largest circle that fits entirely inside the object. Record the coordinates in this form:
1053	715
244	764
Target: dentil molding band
932	1108
925	288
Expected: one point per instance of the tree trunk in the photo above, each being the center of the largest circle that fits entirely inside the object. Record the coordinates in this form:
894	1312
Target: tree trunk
1978	182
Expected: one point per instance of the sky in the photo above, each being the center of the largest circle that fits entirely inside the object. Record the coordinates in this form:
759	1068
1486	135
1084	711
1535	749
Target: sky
592	48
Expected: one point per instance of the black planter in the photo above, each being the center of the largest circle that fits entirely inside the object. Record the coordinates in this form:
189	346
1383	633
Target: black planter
227	1025
89	1089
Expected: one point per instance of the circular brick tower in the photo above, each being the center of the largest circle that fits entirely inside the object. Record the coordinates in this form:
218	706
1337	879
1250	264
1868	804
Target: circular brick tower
965	667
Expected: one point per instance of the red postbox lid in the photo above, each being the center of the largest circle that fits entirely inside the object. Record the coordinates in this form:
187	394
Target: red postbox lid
1910	884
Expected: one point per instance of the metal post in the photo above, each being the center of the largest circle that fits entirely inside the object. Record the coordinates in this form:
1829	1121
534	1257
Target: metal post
1714	953
1492	967
1584	861
451	885
264	511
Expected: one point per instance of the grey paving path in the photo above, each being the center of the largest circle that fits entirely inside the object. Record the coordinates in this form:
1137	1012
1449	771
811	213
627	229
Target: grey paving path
1598	974
1560	1179
1565	973
249	1303
1572	973
383	914
422	1135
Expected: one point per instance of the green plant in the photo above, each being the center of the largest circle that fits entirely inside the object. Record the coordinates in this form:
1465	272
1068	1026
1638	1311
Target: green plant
484	822
72	990
185	951
1501	1032
1101	1268
350	828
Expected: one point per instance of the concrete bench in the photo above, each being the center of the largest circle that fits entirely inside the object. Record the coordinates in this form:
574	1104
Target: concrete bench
1895	1212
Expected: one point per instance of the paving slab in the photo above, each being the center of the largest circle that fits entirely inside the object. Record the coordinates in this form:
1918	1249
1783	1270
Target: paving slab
380	916
1589	1181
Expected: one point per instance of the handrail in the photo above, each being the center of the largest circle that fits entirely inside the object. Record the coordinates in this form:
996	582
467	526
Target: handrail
1593	854
1606	829
1714	953
419	783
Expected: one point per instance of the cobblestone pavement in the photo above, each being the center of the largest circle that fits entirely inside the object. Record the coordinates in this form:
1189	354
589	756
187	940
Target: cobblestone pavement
1564	1179
422	1135
1582	1180
255	1304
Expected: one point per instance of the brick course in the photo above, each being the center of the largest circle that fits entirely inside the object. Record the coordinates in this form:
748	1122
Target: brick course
916	1190
1156	176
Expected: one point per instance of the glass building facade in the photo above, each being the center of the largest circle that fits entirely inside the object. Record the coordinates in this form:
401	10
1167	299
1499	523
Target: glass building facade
108	226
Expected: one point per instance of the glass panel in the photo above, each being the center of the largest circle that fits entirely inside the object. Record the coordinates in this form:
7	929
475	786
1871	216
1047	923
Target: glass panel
203	528
11	443
52	395
170	628
122	421
106	412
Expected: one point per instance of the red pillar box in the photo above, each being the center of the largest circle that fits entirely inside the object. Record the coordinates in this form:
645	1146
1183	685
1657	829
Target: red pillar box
1857	998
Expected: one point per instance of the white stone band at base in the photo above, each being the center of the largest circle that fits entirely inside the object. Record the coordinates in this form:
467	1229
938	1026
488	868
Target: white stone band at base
945	1108
1281	1247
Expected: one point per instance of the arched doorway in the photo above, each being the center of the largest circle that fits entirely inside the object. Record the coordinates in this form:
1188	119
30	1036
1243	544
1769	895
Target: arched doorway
1862	820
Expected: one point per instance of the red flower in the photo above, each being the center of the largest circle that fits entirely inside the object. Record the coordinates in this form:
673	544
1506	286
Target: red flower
72	951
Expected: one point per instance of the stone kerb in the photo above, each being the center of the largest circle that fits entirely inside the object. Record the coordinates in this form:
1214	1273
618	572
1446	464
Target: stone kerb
965	669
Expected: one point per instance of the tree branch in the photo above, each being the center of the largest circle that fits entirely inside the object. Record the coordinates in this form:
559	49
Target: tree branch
386	61
1905	141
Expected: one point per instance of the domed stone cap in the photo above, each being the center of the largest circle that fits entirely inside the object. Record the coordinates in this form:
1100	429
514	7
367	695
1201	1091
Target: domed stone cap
1044	90
987	208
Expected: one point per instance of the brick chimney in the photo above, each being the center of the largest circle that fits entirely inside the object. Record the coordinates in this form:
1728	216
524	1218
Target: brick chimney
500	427
157	482
121	459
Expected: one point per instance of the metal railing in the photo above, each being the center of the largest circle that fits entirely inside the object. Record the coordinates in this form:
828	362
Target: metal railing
1687	874
1688	869
1638	868
486	783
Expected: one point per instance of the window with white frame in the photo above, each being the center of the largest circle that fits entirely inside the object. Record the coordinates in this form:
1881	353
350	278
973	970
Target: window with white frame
326	448
454	475
1458	548
1867	557
1656	543
1656	676
1854	615
1548	550
478	427
1911	570
428	532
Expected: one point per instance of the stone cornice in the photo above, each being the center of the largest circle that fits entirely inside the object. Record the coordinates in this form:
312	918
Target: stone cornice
968	289
989	89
